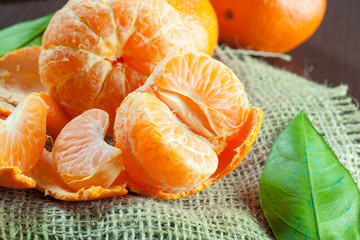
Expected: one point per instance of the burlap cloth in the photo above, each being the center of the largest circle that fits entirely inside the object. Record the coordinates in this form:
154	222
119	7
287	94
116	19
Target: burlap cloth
230	208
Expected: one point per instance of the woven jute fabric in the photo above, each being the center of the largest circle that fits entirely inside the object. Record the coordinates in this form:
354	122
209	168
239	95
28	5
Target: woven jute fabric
230	208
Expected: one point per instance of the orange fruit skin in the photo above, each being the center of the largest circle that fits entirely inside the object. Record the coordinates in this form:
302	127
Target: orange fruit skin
96	52
19	73
12	177
268	25
50	182
19	76
203	22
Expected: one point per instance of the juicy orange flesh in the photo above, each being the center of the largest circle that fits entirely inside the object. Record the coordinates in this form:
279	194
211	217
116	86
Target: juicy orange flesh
81	155
162	152
204	94
22	134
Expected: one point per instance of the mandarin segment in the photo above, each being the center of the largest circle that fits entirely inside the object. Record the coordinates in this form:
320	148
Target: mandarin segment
22	134
159	150
96	52
82	157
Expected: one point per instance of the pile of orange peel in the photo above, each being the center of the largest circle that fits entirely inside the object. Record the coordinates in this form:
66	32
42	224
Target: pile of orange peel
179	119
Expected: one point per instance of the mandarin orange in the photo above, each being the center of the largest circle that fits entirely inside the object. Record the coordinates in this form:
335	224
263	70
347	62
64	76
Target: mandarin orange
268	25
96	52
177	131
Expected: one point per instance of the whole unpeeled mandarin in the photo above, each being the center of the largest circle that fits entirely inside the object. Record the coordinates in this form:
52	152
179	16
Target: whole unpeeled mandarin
268	25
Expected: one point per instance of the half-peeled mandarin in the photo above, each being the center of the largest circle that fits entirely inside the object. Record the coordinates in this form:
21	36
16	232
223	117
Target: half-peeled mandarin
187	127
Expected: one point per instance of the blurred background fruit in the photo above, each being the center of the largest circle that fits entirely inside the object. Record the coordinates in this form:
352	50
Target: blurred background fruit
268	25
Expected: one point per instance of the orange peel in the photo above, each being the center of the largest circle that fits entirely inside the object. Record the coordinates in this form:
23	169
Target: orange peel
12	177
19	76
50	182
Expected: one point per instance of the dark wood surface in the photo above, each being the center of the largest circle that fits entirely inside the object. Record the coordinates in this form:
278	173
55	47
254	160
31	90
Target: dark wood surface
331	55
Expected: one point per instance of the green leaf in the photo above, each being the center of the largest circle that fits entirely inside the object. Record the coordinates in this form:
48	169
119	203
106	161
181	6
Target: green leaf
305	192
23	34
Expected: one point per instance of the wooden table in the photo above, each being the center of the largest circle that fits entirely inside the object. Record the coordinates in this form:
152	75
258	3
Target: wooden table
331	55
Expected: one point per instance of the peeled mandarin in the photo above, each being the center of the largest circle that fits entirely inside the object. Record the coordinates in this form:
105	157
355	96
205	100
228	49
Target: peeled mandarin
95	52
188	126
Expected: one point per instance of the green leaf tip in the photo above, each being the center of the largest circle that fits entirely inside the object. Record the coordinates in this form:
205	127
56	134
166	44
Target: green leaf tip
23	34
305	192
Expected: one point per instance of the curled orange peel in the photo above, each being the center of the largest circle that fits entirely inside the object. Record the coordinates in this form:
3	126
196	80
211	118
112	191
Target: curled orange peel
19	76
50	182
12	177
229	159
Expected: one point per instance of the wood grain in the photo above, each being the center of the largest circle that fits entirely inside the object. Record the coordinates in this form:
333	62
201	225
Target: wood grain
331	55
